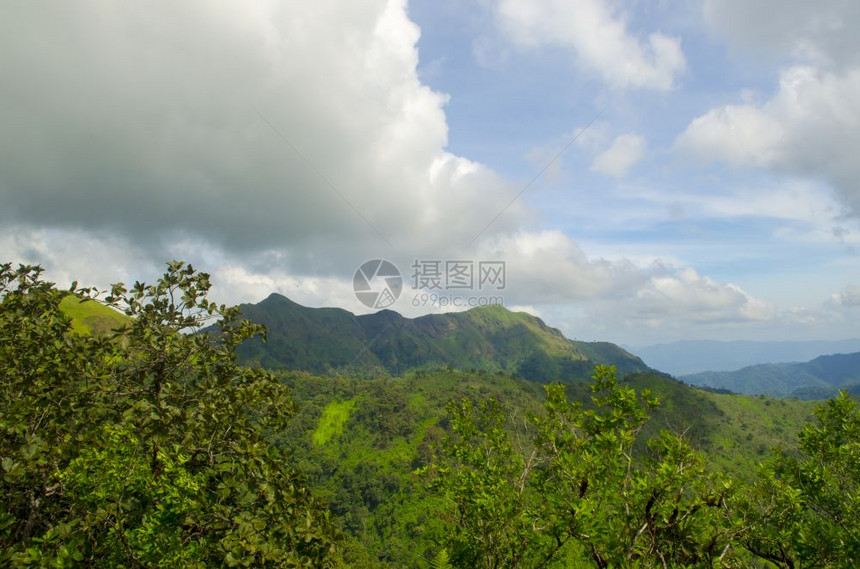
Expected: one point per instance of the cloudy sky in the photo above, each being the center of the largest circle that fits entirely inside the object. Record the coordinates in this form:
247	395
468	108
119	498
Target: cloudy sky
650	170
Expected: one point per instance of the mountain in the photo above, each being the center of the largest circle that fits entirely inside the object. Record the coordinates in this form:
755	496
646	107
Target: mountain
689	357
332	340
816	379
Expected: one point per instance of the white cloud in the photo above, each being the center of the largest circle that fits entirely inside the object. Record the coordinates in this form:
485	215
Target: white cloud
549	158
550	267
822	32
141	121
242	285
92	258
806	206
849	296
698	298
547	274
809	128
545	267
624	153
597	32
739	135
617	299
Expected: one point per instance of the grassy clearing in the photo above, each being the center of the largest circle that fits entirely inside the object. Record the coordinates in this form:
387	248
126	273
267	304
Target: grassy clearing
334	417
91	318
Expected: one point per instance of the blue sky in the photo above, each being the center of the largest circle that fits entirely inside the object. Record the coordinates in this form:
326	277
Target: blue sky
500	111
278	146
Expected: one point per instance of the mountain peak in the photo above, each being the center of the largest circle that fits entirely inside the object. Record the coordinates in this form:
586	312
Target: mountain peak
278	297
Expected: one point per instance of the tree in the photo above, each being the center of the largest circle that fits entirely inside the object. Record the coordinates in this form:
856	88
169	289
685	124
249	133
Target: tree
660	508
486	480
149	447
803	509
579	493
50	379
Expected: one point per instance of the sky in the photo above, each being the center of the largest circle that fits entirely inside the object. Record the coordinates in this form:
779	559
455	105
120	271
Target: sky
648	171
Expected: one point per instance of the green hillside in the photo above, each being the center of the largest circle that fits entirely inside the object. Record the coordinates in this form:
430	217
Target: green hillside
312	339
361	440
90	317
687	357
331	340
839	370
820	378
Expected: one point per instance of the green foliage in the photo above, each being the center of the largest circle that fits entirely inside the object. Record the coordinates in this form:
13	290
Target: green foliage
804	507
485	480
399	424
50	383
151	446
441	561
366	473
578	491
745	428
106	482
147	447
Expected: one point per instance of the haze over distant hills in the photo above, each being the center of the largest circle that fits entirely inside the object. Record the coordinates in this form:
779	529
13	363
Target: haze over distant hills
819	378
333	340
695	356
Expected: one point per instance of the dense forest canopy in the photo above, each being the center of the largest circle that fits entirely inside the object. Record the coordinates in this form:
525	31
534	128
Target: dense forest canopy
146	444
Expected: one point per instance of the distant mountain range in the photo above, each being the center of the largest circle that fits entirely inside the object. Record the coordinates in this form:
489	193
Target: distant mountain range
816	379
689	357
332	340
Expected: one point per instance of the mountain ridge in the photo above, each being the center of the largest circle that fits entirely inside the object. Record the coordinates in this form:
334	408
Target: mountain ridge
689	357
818	378
334	340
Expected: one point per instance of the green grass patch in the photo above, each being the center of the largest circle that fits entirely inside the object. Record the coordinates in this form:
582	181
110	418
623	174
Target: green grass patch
334	417
90	317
